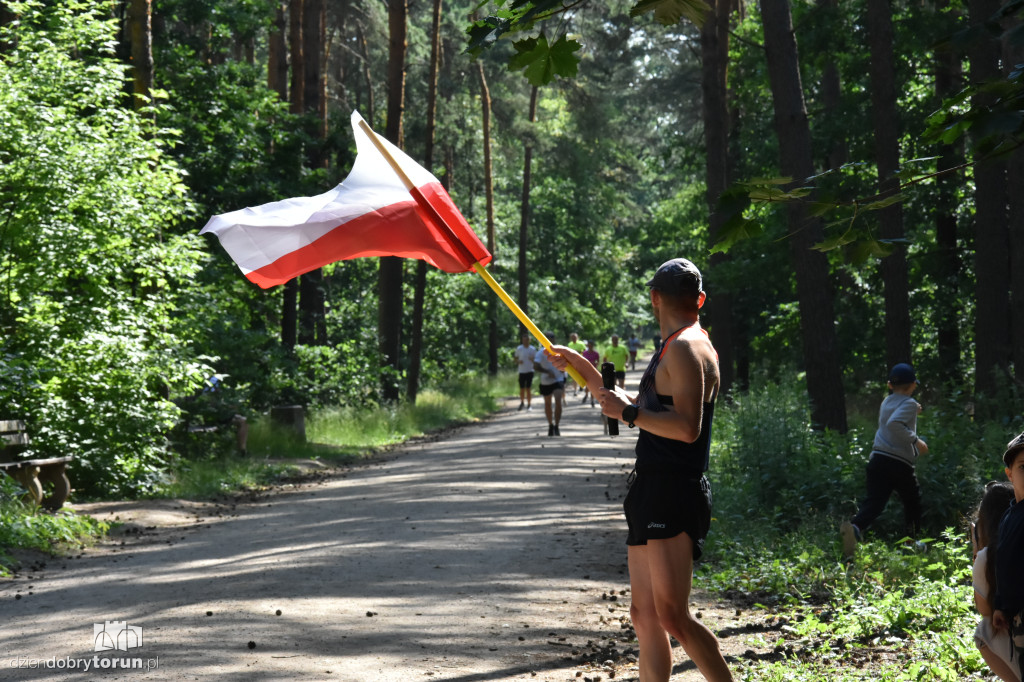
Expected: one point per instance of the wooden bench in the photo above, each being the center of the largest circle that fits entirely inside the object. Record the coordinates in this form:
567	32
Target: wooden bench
45	480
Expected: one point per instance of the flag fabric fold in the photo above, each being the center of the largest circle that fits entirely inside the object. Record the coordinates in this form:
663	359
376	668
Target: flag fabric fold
371	213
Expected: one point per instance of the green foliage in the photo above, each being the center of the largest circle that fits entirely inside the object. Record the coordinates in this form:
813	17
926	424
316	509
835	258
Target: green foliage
541	62
90	277
28	527
770	461
212	477
670	12
827	618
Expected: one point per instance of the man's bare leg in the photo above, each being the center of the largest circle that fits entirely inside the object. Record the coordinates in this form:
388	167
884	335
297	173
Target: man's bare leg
662	571
655	647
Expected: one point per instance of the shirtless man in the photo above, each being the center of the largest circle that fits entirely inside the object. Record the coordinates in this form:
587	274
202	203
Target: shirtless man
668	507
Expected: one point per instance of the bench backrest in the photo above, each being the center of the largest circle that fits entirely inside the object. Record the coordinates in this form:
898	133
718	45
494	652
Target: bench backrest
12	432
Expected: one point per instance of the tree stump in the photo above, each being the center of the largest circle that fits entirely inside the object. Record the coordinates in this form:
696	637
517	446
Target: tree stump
292	417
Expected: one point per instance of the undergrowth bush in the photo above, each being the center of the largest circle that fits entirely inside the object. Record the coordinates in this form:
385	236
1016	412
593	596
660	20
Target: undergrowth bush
28	527
768	465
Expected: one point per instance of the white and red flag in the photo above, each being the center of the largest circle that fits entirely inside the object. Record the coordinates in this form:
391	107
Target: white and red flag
371	213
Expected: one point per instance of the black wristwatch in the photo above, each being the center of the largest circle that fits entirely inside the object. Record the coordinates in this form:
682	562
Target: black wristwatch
629	414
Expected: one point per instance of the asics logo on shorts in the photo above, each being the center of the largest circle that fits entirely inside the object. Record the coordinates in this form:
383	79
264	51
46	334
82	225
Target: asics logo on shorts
652	524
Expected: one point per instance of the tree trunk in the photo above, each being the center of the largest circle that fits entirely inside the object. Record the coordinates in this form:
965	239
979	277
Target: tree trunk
887	159
831	93
492	301
313	300
420	287
389	323
991	236
714	38
6	17
524	208
296	102
814	290
948	76
1015	224
140	31
277	54
367	76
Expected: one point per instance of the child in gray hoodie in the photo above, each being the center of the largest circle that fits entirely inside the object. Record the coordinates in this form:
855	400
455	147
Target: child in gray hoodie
893	456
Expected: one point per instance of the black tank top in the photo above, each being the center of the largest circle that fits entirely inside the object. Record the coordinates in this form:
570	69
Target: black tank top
659	454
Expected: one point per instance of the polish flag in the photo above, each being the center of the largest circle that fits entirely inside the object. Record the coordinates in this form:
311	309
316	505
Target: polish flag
371	213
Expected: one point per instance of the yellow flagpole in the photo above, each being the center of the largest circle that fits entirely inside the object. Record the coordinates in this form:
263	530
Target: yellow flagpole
477	267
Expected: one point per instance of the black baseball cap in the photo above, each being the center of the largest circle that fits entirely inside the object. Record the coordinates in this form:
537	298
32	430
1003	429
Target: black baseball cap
677	277
901	374
1012	448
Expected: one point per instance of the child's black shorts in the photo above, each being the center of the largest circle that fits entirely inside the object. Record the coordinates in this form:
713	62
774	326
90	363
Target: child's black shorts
548	389
525	379
662	505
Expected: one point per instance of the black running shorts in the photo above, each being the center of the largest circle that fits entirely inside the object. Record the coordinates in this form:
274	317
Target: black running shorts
525	379
548	389
662	505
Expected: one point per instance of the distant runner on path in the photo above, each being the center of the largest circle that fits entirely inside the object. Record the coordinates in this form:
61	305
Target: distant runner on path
617	355
668	507
524	354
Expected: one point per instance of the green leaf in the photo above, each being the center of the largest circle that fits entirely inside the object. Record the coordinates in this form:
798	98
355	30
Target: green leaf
543	62
885	202
735	230
843	239
863	249
669	12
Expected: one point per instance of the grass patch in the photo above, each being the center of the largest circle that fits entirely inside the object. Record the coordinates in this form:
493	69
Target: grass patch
895	613
28	527
210	478
335	435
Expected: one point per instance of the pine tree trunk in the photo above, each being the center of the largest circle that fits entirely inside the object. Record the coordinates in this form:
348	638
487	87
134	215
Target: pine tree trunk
524	209
389	322
420	285
714	38
140	30
313	299
814	289
991	236
367	76
492	301
947	274
1015	224
831	95
296	101
277	54
887	160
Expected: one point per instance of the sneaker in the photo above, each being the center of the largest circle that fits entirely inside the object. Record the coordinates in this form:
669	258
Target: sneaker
551	430
591	402
584	400
521	406
557	432
529	408
850	535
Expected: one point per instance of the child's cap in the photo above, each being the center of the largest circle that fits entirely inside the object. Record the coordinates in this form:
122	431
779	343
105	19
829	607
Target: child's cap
901	374
1012	448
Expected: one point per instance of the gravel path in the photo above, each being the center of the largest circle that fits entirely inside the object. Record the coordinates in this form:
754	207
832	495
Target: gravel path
495	553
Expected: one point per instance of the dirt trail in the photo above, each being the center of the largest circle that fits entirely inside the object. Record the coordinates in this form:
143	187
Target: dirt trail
496	553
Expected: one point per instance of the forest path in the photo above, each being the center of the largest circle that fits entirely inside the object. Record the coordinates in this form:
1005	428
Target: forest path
493	553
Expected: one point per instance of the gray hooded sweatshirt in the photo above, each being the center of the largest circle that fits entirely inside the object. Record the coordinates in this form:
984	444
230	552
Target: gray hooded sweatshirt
897	428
